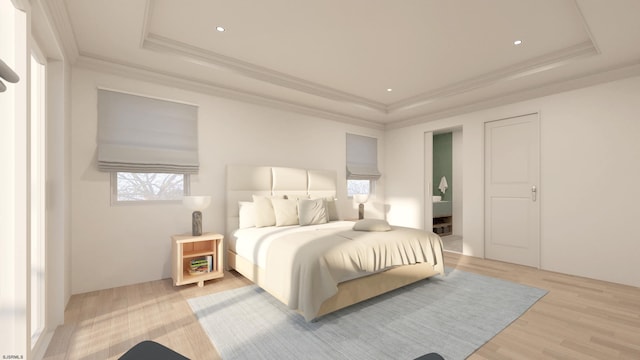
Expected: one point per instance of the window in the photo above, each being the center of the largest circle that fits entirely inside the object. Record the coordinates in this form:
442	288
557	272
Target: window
150	146
129	187
355	187
362	164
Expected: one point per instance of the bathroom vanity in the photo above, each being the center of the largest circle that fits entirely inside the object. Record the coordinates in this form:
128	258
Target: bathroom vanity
442	218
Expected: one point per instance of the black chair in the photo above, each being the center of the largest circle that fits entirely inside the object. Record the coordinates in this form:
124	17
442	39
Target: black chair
430	356
150	350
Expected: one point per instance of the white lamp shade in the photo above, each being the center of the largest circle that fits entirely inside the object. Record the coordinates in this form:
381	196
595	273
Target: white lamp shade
196	203
361	198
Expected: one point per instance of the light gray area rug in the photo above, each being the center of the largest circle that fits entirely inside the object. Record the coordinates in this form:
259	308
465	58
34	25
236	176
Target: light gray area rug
452	315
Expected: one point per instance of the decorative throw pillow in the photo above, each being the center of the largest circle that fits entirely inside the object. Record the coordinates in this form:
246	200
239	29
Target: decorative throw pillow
263	209
286	211
332	209
312	212
371	225
247	214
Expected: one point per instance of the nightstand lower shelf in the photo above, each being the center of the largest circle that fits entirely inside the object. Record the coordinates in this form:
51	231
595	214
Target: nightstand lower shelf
200	278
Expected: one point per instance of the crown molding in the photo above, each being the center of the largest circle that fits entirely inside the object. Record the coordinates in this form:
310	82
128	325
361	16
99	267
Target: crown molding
586	27
627	70
102	64
116	67
148	9
56	11
530	67
158	43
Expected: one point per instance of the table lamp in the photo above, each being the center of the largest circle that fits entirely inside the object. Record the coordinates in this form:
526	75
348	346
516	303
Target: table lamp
360	199
196	204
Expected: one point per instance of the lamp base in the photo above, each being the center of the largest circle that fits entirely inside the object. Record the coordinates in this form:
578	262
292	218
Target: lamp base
360	211
196	223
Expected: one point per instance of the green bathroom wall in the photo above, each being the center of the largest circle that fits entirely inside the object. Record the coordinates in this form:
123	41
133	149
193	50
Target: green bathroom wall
442	163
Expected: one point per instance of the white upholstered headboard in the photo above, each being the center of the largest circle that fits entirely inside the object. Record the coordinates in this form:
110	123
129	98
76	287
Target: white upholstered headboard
243	181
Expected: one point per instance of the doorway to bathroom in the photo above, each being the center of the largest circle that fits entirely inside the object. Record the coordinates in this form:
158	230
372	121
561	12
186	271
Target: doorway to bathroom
446	191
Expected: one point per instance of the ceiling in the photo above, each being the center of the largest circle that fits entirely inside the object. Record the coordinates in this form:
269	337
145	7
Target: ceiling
337	58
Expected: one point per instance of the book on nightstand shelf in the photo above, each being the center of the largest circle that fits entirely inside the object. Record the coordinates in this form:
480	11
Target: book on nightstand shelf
199	266
209	263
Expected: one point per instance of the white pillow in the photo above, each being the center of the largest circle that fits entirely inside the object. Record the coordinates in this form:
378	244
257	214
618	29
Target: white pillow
332	209
263	210
286	211
247	214
312	212
371	225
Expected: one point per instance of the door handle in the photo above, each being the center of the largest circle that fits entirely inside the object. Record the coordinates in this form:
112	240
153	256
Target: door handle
534	192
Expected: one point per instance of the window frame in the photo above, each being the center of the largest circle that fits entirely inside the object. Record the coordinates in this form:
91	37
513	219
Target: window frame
113	175
38	236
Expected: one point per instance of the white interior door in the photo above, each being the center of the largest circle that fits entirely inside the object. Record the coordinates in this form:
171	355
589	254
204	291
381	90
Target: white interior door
428	176
512	206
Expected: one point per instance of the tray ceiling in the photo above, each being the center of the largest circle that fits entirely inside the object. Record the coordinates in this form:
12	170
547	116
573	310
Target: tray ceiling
337	59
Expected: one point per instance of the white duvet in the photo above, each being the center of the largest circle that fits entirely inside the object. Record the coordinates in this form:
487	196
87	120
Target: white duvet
304	264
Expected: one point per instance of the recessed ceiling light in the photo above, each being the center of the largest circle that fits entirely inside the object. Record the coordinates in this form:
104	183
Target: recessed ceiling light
517	42
220	28
389	90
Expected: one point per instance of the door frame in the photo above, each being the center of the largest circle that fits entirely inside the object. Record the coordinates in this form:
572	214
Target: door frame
428	176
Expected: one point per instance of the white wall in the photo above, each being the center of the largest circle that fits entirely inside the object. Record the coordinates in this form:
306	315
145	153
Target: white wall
405	177
588	142
589	178
119	245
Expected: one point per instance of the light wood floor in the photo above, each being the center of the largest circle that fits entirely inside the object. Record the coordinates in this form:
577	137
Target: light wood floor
578	319
452	243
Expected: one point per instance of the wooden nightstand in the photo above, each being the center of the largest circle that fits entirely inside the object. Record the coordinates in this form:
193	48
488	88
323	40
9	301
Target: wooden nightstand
185	248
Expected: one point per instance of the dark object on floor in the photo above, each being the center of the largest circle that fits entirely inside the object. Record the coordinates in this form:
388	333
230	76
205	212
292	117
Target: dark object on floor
430	356
150	350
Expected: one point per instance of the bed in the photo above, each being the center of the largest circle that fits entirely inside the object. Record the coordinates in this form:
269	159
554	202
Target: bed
324	265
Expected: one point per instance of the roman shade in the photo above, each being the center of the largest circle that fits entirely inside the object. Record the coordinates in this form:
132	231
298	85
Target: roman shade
141	134
362	158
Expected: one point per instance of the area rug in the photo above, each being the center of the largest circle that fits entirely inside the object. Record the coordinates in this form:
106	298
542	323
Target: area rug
452	315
